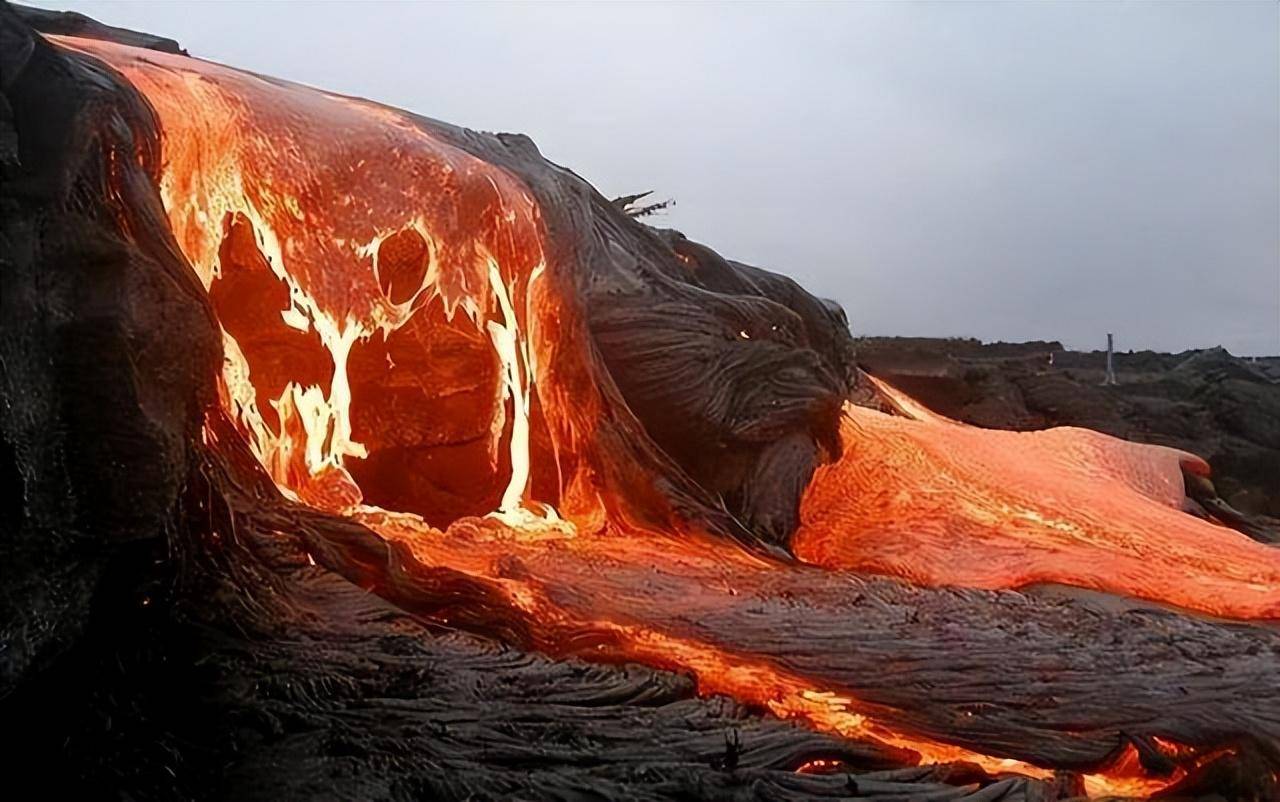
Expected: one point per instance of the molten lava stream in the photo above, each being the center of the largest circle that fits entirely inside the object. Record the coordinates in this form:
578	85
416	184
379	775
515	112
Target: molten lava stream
394	336
604	596
941	503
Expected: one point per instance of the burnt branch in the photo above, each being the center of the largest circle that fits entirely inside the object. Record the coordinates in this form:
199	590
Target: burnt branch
627	204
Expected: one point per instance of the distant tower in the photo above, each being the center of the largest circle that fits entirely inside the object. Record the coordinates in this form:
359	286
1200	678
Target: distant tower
1111	370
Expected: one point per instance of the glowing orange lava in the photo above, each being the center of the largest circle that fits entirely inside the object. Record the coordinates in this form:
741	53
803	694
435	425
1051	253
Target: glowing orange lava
327	204
941	503
393	331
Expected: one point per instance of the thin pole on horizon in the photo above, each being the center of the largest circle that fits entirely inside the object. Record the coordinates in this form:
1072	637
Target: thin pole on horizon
1111	372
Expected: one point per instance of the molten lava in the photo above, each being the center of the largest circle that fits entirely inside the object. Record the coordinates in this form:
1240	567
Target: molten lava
329	250
941	503
396	338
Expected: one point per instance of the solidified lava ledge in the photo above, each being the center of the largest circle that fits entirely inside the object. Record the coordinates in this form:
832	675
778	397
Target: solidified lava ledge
362	456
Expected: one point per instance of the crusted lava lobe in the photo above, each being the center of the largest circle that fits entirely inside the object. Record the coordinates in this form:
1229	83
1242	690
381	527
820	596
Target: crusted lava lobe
736	372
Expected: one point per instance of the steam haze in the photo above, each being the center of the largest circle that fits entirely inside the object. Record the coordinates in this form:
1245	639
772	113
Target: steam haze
1003	171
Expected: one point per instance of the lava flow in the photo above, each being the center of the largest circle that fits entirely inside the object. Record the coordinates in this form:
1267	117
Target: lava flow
399	350
940	503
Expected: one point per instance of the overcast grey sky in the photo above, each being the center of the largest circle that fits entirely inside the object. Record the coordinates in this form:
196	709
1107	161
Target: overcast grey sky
1003	171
